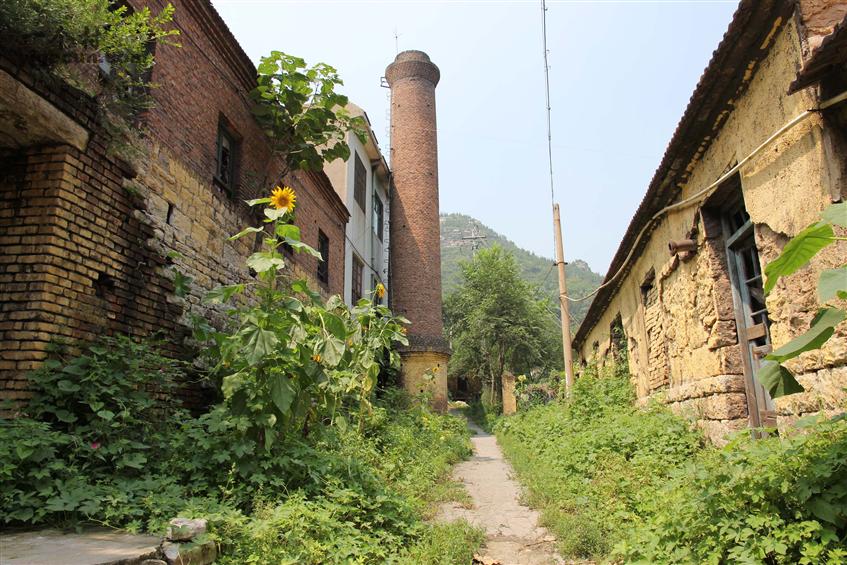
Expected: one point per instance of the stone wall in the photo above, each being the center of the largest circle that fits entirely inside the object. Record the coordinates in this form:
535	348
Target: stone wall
784	189
86	238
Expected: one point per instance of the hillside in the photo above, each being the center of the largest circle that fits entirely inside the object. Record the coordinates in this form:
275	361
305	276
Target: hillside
535	269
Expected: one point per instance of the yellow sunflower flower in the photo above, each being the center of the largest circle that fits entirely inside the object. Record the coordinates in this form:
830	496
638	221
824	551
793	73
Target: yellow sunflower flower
380	290
283	198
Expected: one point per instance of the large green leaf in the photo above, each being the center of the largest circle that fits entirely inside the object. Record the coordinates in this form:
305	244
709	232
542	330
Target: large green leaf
259	344
258	201
778	380
332	351
288	231
244	232
334	325
832	283
275	213
836	214
301	247
222	294
820	330
797	252
265	261
282	393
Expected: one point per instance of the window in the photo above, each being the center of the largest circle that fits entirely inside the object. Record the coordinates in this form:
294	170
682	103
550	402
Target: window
751	314
356	290
360	179
323	266
377	217
225	160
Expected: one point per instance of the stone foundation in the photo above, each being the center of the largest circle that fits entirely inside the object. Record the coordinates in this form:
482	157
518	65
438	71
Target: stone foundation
425	372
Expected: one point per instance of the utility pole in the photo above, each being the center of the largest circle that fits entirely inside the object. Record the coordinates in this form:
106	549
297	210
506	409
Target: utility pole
475	239
563	301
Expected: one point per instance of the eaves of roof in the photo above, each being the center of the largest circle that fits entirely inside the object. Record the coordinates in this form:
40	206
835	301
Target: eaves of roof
728	74
829	56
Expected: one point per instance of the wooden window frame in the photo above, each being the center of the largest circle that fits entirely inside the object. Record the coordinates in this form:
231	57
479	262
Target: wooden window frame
229	184
357	279
360	181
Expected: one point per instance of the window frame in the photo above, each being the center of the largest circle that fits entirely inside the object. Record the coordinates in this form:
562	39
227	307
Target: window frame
322	272
357	290
360	182
226	133
378	218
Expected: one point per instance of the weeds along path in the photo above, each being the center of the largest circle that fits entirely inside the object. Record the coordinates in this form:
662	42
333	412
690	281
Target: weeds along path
512	533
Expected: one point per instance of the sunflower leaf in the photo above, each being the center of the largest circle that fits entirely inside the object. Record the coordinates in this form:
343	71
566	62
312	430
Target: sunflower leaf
244	232
797	252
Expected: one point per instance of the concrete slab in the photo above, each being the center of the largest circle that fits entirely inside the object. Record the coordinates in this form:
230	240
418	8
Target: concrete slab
92	547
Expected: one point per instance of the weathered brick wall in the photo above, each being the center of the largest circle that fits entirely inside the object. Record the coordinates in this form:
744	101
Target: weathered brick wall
86	237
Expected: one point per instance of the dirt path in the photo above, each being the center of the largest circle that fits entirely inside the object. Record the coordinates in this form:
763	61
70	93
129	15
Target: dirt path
513	536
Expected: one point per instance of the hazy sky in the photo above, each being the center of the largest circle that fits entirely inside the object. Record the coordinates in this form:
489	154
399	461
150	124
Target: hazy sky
621	75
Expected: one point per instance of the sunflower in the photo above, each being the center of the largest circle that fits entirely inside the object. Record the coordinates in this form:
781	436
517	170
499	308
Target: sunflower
283	198
380	290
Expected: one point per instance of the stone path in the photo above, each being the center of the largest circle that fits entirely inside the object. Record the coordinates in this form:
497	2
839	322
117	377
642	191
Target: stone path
513	536
97	547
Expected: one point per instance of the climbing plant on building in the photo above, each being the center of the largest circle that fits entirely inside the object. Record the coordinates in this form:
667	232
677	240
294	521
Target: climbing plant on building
100	46
300	112
832	286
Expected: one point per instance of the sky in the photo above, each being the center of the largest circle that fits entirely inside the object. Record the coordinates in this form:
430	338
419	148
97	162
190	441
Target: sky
621	75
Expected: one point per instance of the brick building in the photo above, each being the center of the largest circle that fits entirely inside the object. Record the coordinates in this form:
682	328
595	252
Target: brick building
86	238
695	323
363	182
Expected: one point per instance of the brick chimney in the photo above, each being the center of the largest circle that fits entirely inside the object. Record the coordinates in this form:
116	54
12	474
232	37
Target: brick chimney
415	240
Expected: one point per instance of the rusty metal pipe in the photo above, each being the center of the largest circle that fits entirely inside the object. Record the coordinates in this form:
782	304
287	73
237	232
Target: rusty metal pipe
683	245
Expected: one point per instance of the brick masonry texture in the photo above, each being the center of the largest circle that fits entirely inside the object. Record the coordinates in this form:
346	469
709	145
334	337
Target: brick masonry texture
85	236
416	262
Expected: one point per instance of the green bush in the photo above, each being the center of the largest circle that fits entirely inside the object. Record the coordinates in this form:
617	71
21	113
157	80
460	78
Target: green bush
592	465
71	37
100	443
774	500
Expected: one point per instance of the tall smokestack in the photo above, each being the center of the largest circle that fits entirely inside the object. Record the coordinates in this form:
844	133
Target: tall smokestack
415	231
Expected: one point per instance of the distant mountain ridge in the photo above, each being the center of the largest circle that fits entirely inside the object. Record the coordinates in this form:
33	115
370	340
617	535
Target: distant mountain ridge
535	269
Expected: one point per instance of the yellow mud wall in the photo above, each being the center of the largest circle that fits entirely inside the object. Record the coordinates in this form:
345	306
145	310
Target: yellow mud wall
425	372
784	188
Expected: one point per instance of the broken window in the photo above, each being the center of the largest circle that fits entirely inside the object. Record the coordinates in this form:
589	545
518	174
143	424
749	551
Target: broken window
617	340
751	314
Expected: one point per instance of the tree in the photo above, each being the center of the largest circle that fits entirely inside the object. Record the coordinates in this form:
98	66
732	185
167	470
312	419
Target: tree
496	323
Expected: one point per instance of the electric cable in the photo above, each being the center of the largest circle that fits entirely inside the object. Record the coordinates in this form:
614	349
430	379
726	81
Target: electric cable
699	195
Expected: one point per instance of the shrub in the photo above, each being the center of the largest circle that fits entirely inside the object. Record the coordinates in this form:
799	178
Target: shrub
72	36
773	500
337	495
592	464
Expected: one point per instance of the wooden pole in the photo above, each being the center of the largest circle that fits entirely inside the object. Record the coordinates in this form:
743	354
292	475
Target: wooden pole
563	301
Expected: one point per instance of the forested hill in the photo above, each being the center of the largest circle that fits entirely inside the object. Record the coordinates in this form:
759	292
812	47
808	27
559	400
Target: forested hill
535	269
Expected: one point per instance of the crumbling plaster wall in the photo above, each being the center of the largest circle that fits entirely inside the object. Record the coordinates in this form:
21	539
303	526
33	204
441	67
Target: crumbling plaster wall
784	190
